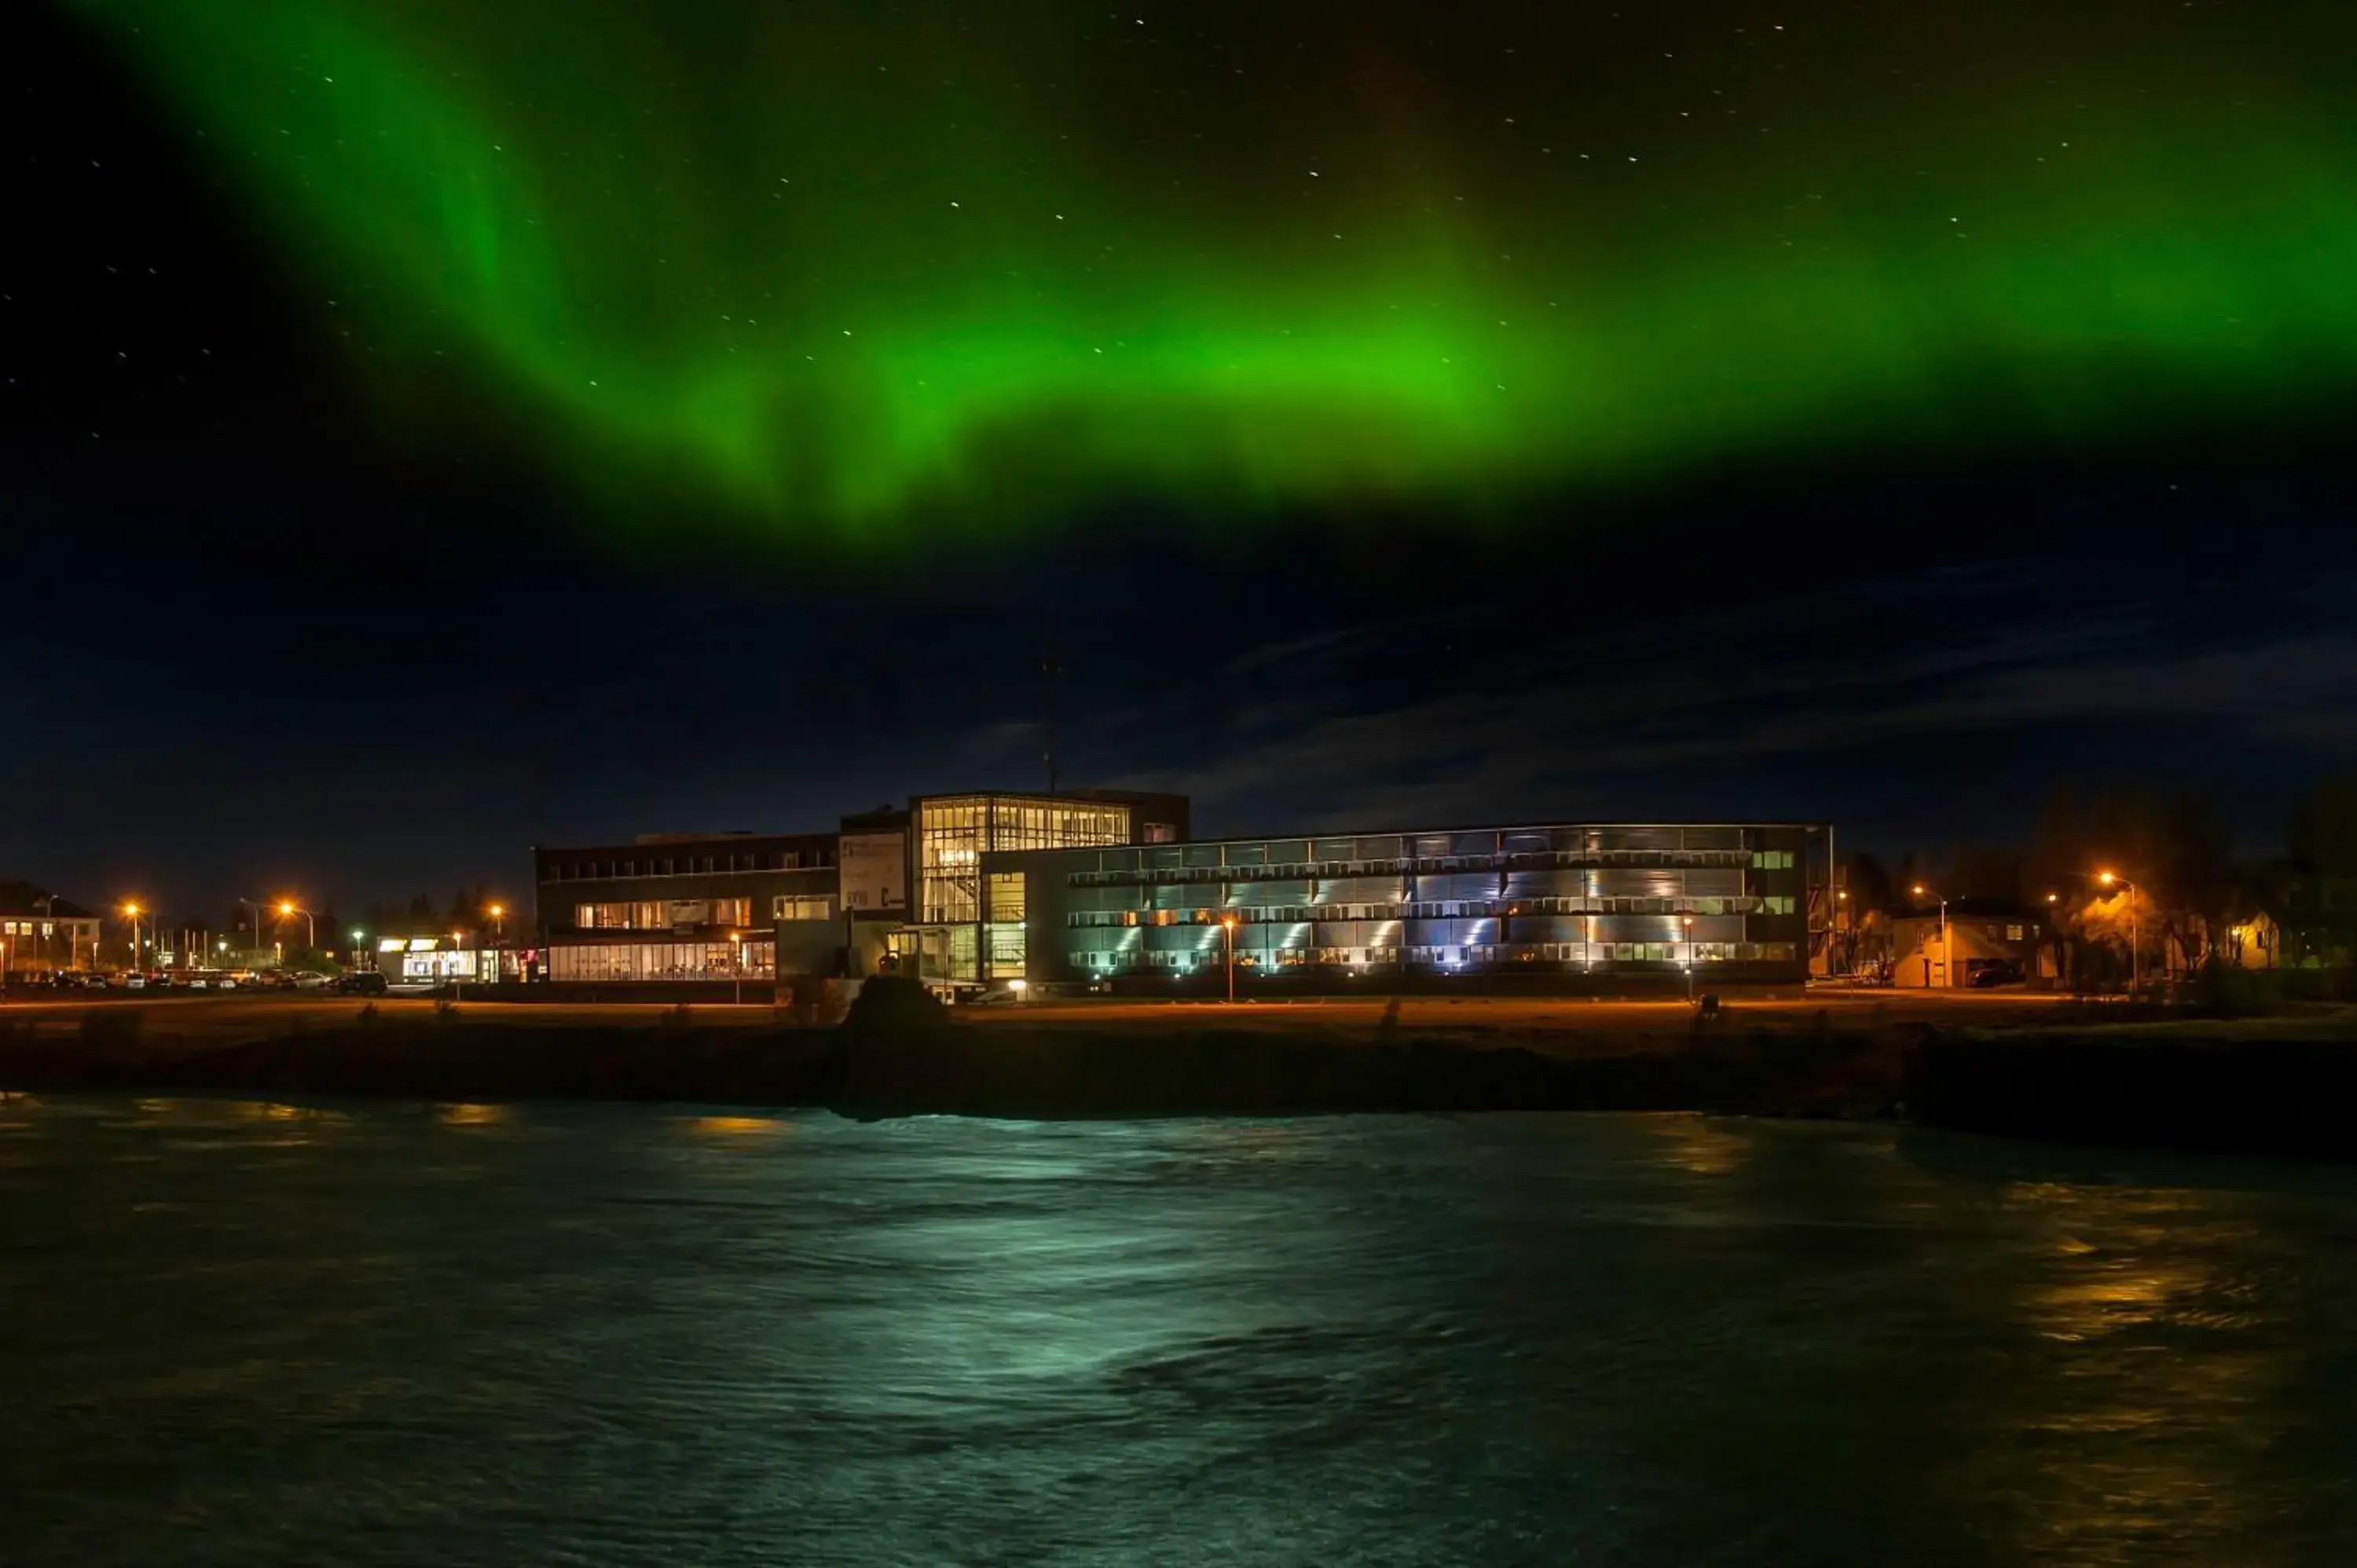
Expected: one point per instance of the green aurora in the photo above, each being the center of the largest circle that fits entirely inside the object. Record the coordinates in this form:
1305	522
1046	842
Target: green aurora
837	267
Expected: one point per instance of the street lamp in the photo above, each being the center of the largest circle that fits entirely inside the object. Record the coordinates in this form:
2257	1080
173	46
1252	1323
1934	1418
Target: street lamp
133	910
310	922
1228	923
457	974
1947	958
736	963
2136	971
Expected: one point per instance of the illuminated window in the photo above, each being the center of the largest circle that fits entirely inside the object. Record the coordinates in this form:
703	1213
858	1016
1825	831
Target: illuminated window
786	908
1007	897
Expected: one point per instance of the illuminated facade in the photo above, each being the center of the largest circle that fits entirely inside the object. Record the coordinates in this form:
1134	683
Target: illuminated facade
906	883
678	907
964	930
1572	898
39	934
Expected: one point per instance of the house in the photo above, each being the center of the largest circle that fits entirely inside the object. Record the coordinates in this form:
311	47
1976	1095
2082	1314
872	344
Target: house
1976	940
41	934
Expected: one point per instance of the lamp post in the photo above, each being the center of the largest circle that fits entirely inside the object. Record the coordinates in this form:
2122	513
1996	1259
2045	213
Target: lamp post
310	922
256	908
132	910
498	914
2135	970
360	945
457	975
1947	958
1228	924
736	963
1689	923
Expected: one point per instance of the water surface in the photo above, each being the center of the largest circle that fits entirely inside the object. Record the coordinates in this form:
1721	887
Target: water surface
243	1333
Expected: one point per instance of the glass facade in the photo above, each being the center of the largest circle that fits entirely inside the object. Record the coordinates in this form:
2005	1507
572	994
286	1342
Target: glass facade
662	914
1572	897
954	833
663	960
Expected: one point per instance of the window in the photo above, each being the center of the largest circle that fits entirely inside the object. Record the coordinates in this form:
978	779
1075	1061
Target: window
1007	897
785	908
2013	933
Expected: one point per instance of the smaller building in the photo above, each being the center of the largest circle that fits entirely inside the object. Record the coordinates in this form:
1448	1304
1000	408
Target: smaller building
684	906
439	960
1979	943
41	934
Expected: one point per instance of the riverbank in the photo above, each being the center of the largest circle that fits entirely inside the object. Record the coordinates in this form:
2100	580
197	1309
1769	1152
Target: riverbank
2265	1085
1043	1063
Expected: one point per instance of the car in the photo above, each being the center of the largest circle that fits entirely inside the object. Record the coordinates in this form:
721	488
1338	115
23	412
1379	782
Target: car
311	980
361	983
1988	976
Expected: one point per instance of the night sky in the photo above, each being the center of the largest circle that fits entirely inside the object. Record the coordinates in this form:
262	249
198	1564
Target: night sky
436	428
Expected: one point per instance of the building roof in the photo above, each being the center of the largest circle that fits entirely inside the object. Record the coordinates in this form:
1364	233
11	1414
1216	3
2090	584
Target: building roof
657	841
19	899
1972	909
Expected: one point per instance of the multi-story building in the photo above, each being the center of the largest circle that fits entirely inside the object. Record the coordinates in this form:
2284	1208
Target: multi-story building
40	933
889	883
957	931
683	905
1721	898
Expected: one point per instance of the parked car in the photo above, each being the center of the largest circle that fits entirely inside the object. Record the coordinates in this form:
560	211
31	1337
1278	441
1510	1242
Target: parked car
361	983
311	980
2001	972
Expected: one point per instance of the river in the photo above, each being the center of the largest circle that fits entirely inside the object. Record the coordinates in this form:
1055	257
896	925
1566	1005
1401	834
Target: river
239	1333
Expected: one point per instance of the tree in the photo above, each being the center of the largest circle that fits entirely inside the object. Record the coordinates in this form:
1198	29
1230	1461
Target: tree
2319	891
2321	831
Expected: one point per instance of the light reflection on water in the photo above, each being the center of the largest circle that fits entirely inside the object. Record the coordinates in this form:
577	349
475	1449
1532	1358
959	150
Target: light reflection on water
237	1332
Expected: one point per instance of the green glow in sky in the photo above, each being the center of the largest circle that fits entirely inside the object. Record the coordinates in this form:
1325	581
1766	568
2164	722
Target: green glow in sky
849	267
